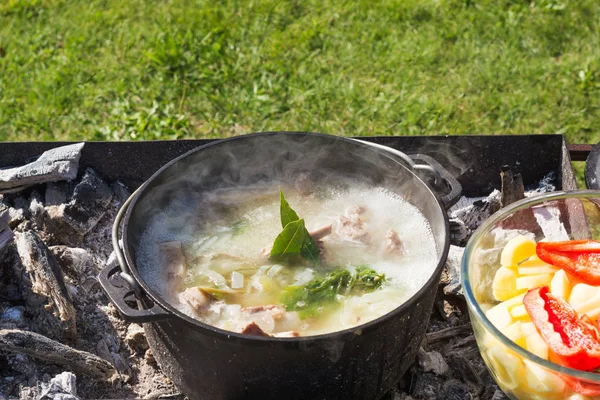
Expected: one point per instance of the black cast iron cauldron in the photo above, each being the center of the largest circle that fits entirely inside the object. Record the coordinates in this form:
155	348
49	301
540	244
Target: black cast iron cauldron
209	363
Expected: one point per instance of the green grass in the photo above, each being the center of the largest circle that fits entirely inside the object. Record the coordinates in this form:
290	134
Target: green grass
115	69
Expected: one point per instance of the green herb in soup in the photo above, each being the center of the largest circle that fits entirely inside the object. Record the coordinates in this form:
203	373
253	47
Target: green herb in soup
322	293
294	240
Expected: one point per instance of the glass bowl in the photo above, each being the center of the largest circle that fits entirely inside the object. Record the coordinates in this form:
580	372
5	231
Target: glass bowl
520	373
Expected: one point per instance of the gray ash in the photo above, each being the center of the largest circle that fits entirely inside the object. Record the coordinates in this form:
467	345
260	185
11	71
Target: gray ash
74	225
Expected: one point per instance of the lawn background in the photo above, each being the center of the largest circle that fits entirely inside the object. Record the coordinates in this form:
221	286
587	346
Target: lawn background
142	70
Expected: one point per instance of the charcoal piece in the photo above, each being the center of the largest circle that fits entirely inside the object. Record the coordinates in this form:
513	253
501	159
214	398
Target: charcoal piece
451	276
47	280
549	220
461	365
7	385
15	216
499	395
121	192
512	186
121	364
545	185
149	357
4	203
62	387
468	213
136	338
454	389
426	386
102	350
35	208
6	234
43	348
432	361
14	315
57	230
89	203
445	334
22	364
11	292
73	260
58	164
58	193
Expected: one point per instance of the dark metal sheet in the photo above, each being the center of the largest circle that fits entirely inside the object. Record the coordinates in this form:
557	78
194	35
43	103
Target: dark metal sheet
474	159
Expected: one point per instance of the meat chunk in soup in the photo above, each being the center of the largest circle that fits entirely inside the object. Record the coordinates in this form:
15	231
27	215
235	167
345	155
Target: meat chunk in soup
253	329
352	226
198	299
392	242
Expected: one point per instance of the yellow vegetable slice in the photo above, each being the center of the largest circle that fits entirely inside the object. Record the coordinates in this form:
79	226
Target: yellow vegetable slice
504	285
499	316
582	293
534	266
545	383
513	301
520	313
533	340
532	281
507	367
516	250
514	333
561	285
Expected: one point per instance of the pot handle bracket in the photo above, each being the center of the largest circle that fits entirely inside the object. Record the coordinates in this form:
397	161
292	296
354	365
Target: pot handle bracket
443	182
119	285
119	290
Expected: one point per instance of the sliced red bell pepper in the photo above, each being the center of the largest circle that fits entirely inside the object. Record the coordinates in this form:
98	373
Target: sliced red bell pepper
587	320
573	257
578	246
573	342
582	387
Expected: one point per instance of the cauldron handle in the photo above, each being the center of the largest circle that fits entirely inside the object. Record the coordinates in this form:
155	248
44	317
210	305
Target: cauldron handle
118	283
118	289
444	183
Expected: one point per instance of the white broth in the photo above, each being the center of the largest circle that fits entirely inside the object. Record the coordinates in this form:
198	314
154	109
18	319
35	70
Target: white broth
214	264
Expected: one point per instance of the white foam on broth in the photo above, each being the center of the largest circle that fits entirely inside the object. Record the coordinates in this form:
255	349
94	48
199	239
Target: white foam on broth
241	222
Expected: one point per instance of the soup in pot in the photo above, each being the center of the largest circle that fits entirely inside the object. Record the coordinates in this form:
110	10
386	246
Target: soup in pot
288	261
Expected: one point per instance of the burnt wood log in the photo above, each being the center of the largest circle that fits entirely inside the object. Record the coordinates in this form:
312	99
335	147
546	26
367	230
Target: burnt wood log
42	271
58	164
512	186
43	348
6	234
90	201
